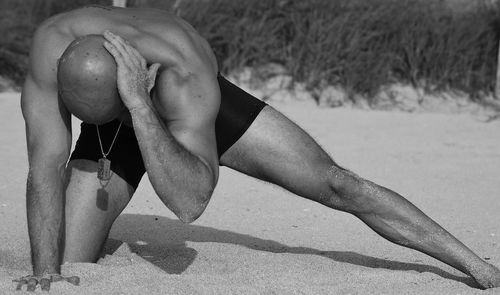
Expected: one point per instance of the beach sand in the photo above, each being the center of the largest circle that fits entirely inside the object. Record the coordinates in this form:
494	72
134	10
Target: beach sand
255	238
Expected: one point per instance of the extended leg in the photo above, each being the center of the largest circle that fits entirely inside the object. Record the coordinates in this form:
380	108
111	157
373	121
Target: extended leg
399	221
91	208
276	150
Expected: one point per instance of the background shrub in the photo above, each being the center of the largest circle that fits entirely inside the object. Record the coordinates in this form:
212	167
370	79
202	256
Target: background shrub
356	44
18	21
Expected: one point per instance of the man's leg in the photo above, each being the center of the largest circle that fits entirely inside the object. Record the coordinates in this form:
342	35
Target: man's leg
276	150
91	208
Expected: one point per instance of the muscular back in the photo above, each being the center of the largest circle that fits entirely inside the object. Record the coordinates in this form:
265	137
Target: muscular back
158	35
188	64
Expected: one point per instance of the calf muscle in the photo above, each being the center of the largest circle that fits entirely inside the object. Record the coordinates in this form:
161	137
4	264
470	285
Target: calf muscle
398	220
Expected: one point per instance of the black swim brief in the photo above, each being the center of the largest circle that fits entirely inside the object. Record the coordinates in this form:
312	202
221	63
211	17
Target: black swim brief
237	111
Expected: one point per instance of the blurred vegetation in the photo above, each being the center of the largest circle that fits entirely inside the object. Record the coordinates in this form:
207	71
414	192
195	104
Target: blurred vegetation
18	21
359	45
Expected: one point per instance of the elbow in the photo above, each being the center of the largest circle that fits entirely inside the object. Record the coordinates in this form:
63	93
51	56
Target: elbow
197	201
193	206
188	201
189	217
193	211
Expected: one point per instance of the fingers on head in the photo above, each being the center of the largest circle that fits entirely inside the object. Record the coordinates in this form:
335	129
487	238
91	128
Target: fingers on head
136	55
123	48
143	62
116	40
113	50
153	70
115	47
126	55
154	67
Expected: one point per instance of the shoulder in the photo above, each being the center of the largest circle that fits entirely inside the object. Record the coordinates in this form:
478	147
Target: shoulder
40	86
186	95
48	43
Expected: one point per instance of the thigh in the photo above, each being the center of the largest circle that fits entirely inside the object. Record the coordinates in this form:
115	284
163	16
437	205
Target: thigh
91	208
276	150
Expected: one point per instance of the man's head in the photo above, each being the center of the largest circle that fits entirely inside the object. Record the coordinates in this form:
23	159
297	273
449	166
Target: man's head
86	80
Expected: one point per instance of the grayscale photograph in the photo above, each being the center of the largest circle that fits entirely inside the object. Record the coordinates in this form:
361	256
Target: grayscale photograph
249	147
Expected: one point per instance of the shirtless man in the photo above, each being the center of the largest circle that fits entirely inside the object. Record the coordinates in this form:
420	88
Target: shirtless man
192	121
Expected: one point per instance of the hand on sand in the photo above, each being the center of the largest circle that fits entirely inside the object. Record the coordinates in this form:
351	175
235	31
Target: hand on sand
135	80
44	281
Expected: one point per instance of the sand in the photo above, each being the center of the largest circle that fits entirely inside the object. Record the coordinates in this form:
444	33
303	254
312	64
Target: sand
255	238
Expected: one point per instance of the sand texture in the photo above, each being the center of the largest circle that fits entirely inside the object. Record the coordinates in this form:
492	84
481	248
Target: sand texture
255	238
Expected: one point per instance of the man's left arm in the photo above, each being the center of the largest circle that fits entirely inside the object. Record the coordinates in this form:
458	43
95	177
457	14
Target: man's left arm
181	158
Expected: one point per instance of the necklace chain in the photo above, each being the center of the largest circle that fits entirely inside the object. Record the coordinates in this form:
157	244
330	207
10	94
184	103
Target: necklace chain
112	143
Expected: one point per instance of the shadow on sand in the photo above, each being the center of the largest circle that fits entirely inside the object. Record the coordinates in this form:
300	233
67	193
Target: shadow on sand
162	241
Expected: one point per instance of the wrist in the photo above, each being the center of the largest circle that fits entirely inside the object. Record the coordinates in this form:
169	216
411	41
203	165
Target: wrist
47	272
140	104
140	110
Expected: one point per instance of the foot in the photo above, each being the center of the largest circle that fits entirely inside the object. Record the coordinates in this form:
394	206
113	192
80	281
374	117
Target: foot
489	277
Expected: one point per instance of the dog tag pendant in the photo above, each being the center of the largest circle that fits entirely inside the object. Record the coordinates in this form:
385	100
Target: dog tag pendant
104	169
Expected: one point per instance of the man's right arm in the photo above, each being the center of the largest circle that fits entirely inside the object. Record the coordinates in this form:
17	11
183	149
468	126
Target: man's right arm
48	134
49	142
